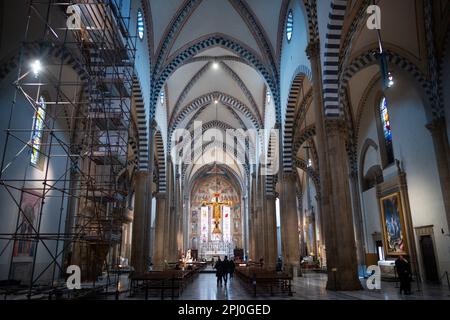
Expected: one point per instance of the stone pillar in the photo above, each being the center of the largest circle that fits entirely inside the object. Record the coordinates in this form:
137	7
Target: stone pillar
160	232
321	231
187	222
180	214
271	252
313	53
140	247
334	190
252	228
301	223
246	225
339	231
260	243
289	224
441	147
358	222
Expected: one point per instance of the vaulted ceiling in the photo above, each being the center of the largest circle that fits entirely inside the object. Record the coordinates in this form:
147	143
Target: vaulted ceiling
216	86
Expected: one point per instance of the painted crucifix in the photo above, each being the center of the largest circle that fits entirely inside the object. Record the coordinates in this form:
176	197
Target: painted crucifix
217	206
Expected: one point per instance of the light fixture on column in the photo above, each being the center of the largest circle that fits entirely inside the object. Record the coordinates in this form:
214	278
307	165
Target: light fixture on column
215	65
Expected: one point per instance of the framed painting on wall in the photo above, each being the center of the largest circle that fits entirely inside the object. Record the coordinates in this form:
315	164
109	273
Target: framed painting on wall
393	224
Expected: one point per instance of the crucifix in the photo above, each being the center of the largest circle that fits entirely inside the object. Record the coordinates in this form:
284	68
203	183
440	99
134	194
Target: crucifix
216	204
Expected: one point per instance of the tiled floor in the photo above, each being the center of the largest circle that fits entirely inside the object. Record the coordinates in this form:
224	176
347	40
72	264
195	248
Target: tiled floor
309	287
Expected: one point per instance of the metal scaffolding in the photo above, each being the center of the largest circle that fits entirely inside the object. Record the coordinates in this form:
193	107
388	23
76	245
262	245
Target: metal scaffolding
82	121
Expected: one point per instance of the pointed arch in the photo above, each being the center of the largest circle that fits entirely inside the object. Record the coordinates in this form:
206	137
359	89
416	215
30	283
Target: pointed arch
204	43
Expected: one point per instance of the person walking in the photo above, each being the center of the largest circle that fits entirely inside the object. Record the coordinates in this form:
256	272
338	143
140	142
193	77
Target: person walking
279	264
231	268
219	271
226	269
404	273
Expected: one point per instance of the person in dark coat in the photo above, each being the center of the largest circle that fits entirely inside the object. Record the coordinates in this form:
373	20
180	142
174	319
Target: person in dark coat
226	269
231	267
219	271
404	273
279	264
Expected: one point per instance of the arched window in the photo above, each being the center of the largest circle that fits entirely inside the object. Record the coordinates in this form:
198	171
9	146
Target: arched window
268	96
37	135
385	133
140	24
162	97
289	26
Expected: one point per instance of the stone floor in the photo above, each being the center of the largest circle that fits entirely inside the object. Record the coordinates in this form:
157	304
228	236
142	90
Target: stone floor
309	287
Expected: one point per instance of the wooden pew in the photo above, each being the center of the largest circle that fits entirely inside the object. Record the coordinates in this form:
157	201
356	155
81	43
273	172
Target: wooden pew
174	281
257	279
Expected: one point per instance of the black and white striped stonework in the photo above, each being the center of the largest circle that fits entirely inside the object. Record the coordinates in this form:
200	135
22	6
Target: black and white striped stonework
142	125
331	63
292	102
162	181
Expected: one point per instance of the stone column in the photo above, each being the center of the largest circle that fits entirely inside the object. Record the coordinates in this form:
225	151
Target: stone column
358	222
160	232
140	247
441	147
252	228
334	189
289	224
271	252
300	216
260	243
339	231
321	231
245	228
180	214
187	223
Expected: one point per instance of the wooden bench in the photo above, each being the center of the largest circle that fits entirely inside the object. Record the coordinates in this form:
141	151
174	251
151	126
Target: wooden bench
173	281
255	279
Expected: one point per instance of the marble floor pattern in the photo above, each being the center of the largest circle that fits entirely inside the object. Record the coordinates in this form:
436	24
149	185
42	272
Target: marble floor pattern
309	287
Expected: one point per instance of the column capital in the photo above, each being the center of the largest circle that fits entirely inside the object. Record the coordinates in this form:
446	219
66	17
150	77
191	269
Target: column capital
313	49
335	126
289	175
161	195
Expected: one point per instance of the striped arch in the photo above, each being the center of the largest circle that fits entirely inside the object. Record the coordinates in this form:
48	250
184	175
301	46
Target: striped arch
208	99
133	163
331	60
303	136
43	50
237	154
159	145
271	180
303	165
142	126
236	181
223	127
368	58
311	13
203	44
292	103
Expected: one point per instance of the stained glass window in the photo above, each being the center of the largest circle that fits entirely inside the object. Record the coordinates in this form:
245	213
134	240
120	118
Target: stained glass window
289	25
162	97
38	126
387	132
268	96
140	24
